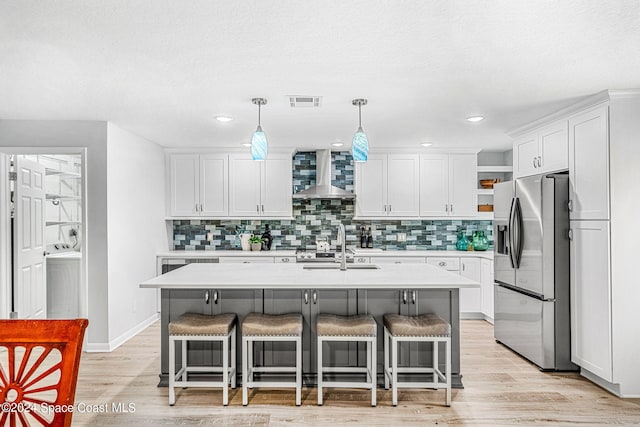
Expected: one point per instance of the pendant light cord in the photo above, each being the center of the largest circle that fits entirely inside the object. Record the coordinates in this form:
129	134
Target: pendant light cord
259	106
359	115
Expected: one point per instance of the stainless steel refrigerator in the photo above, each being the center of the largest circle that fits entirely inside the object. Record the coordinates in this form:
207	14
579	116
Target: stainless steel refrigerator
531	266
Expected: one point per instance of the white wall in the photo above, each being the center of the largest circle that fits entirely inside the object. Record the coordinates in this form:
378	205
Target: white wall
137	229
91	135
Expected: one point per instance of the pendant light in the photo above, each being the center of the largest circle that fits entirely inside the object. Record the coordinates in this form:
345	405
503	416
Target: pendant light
360	145
259	138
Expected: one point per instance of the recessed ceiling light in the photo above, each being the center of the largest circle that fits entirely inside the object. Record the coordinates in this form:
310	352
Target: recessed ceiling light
474	119
224	119
426	144
246	144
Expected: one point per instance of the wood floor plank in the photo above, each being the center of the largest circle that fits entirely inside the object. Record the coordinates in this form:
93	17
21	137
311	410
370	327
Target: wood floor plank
501	389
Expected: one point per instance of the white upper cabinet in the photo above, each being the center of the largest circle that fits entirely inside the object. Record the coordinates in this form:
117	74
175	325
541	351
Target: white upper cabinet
198	185
388	186
589	164
448	185
544	150
260	188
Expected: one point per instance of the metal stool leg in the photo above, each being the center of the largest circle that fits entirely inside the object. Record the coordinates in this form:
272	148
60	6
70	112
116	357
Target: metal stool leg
394	371
385	368
298	371
448	373
172	370
233	358
320	341
183	346
374	376
225	371
245	370
436	378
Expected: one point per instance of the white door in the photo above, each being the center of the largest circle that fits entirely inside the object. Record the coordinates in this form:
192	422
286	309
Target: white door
434	185
213	185
30	285
591	297
589	164
463	175
277	187
525	154
554	147
245	180
184	185
403	185
471	298
371	186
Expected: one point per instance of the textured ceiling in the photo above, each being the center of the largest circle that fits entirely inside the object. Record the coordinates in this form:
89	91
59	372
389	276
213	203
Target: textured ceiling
164	69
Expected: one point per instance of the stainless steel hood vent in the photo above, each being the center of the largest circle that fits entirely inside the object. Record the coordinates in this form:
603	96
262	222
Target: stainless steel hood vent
323	188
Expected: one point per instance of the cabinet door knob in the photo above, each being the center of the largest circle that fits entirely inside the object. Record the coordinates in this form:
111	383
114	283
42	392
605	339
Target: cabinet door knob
539	161
446	208
404	296
389	208
570	234
315	297
285	260
258	208
262	208
534	163
215	297
306	297
206	297
570	205
442	263
413	297
451	210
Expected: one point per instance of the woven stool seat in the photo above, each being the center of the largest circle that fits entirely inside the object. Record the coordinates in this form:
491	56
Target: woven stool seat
202	324
355	326
258	324
424	325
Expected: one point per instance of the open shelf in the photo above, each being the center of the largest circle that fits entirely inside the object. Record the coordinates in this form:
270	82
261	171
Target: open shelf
496	169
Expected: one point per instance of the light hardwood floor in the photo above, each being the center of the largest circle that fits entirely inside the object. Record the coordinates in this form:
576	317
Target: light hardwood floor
501	388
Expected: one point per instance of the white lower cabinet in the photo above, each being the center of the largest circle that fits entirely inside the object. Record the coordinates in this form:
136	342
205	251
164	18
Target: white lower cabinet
486	275
591	344
471	298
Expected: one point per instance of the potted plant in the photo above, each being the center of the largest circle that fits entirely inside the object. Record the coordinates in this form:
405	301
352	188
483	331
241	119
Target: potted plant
256	243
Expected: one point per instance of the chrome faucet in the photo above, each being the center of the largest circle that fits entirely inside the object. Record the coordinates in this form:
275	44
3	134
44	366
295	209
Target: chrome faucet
342	238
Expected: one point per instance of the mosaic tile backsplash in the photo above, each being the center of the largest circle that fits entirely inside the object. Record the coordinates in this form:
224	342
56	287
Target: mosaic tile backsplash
313	218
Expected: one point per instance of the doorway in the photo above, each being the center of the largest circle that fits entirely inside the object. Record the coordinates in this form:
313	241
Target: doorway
43	261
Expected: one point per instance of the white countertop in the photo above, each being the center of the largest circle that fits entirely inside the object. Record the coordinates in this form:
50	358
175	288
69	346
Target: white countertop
292	253
293	276
216	254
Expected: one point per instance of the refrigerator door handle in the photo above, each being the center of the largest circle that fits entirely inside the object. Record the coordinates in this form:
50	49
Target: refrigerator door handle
510	235
517	249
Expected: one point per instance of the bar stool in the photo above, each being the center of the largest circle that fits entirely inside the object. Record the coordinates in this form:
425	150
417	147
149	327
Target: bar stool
258	327
422	328
200	327
362	328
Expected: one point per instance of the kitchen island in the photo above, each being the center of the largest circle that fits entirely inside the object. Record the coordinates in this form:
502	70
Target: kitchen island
407	289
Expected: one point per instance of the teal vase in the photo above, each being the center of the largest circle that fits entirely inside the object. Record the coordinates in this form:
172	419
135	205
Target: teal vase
480	241
463	243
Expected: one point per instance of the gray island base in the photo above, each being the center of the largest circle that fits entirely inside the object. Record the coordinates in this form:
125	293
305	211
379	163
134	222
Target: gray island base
407	289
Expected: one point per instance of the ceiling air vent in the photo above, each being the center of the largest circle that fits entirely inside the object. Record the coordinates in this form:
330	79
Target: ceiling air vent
304	101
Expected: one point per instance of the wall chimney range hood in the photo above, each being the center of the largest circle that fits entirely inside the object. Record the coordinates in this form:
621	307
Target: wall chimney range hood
323	188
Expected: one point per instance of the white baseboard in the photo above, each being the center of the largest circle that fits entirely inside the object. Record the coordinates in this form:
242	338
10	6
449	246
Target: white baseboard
117	342
471	315
488	319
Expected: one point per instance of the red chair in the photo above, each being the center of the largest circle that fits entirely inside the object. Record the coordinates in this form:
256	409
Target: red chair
39	361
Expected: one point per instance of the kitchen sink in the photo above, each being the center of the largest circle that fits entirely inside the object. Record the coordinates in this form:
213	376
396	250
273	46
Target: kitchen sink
337	267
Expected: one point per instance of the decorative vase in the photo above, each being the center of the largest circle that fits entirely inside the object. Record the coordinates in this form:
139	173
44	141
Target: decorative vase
463	243
256	246
244	242
480	241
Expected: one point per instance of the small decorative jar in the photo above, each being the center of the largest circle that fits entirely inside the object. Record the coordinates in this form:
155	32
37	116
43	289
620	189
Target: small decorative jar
480	241
463	243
